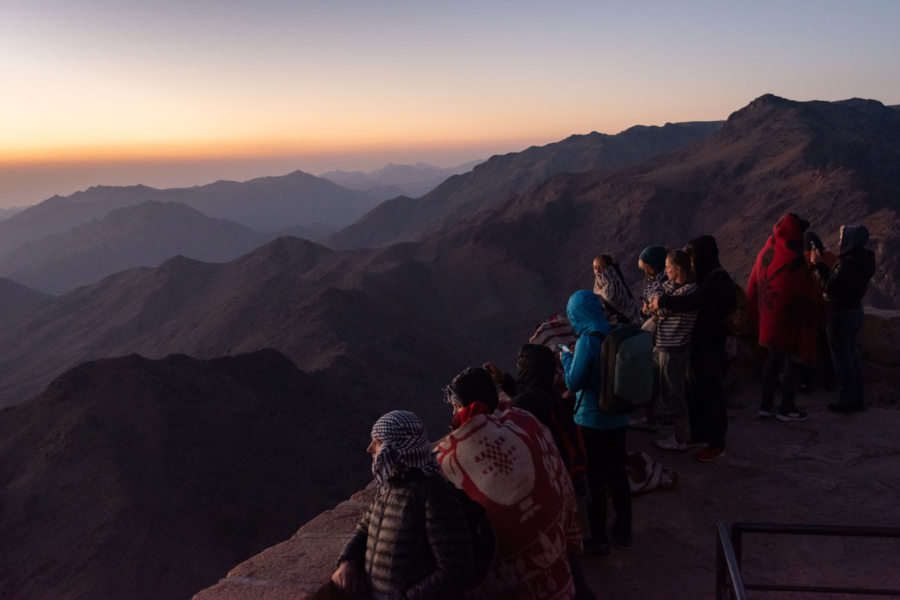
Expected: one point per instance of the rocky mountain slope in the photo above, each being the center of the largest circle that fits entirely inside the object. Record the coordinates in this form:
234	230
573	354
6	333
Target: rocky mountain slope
402	319
139	479
407	218
16	298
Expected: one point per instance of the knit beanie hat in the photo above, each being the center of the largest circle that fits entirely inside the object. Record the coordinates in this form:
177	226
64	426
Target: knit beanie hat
655	256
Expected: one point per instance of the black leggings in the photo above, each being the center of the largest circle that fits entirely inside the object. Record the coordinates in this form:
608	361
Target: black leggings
606	471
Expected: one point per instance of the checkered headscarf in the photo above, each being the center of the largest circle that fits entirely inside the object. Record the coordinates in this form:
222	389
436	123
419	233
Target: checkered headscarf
404	443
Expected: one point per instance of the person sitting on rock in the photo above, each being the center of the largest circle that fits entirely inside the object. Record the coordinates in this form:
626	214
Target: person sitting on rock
414	540
844	286
505	460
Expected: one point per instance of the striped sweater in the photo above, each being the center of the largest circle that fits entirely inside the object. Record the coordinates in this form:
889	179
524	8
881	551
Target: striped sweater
675	328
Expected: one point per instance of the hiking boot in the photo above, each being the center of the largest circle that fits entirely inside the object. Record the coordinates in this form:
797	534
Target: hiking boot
765	413
795	415
709	454
670	443
845	408
665	420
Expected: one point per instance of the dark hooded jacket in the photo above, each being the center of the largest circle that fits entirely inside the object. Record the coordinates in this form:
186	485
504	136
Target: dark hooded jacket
534	390
845	285
715	297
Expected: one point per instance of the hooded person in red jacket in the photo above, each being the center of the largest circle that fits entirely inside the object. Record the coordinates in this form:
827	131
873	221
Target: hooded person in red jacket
782	301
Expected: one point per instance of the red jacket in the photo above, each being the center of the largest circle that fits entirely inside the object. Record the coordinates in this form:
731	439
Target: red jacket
782	297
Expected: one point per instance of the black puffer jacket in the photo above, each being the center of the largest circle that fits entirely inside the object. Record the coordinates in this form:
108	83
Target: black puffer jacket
414	541
845	285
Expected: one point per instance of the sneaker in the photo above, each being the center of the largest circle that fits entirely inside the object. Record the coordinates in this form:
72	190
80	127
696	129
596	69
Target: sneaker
665	420
845	408
596	548
622	540
670	443
765	414
709	454
792	416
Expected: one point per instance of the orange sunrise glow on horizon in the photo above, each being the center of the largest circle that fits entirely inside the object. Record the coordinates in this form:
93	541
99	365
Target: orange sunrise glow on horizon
172	94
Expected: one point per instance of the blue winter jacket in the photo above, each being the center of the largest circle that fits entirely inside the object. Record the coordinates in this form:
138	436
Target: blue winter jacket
582	366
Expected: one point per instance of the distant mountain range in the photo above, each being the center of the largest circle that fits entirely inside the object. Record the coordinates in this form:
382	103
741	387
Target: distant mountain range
267	204
387	327
397	180
144	234
493	181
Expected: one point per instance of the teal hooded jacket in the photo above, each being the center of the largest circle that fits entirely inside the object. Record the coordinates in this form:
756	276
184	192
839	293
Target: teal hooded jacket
582	367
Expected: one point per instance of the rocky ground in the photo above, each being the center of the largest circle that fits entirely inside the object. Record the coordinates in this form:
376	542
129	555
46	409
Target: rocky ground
831	469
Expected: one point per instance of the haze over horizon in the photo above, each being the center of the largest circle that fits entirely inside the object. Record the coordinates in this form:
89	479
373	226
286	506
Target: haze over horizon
174	94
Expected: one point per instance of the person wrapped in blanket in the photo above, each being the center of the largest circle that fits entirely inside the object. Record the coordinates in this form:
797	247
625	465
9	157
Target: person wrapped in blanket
504	459
414	540
619	304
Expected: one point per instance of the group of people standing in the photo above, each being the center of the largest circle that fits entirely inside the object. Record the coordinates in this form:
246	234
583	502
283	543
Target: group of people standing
526	460
798	290
687	301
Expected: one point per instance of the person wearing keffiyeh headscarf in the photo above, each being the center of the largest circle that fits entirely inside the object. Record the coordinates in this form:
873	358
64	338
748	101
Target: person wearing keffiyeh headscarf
414	540
401	444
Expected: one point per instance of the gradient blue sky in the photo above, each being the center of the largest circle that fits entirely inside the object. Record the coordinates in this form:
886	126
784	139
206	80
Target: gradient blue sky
183	93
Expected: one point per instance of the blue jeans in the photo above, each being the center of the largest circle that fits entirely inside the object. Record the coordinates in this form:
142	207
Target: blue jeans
776	359
843	340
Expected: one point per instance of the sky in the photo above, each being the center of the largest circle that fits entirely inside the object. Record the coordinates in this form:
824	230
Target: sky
181	93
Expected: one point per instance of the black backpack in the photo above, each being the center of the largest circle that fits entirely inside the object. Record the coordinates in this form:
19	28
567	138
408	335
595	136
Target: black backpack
626	369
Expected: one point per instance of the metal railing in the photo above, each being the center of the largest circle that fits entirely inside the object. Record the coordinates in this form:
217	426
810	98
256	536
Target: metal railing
730	583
